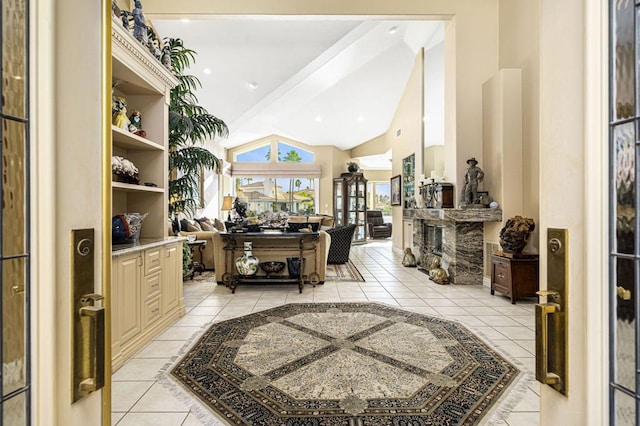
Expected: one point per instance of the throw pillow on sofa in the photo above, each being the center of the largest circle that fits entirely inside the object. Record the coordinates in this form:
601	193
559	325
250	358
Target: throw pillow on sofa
206	226
297	226
190	225
217	223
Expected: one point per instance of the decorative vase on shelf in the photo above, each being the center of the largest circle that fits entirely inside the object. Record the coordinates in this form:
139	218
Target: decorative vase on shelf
247	264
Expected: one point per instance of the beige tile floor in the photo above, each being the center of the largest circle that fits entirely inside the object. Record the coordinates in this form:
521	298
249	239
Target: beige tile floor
139	399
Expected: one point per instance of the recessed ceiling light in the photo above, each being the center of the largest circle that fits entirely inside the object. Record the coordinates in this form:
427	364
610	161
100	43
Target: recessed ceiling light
207	71
360	118
393	29
252	85
185	20
318	119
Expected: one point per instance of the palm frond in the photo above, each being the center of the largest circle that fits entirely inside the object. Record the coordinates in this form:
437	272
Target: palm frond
190	125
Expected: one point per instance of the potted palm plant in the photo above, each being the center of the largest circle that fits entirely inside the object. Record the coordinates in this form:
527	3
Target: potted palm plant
190	125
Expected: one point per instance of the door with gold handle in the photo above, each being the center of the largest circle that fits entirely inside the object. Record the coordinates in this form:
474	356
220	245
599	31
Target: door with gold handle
88	318
551	316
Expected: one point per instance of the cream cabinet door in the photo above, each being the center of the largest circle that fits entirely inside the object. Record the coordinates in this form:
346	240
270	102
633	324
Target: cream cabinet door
127	315
172	283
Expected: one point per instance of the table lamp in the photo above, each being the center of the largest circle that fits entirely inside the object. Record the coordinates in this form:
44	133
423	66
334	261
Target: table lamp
227	204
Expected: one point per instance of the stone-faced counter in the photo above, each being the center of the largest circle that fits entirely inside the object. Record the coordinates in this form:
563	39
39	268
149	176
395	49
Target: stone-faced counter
454	235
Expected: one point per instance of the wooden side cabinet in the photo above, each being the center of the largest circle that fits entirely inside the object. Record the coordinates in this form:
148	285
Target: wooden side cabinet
514	276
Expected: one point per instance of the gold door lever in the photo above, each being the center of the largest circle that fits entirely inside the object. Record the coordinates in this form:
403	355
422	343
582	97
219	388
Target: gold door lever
543	310
623	293
549	293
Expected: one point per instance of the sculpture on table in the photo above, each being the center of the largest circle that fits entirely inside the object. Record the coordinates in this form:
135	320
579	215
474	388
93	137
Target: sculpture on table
437	274
240	210
472	177
515	234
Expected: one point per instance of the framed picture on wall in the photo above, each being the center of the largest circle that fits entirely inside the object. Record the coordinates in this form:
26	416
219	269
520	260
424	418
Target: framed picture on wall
396	190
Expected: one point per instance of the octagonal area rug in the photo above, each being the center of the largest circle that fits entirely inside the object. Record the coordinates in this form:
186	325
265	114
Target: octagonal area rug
344	364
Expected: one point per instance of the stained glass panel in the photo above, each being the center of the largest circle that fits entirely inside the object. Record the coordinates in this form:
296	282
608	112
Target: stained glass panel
14	411
625	409
625	178
13	188
623	72
625	337
14	52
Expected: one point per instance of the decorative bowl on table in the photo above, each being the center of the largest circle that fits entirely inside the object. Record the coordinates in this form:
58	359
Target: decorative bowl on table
272	267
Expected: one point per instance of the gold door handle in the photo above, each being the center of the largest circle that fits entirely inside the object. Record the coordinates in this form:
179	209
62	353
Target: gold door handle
94	336
623	293
543	375
549	293
17	289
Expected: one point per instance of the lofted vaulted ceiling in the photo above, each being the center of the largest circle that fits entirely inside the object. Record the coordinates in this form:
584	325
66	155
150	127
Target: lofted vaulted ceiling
319	81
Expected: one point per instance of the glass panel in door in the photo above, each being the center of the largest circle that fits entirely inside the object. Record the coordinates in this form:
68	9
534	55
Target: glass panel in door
624	259
14	216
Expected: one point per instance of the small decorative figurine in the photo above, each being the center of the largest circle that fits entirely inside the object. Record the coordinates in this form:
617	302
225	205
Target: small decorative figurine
135	125
409	260
166	57
119	118
115	9
472	177
139	23
437	274
124	15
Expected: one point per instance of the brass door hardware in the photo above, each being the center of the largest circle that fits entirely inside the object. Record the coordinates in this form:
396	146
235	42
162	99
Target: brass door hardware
88	318
551	316
17	289
623	293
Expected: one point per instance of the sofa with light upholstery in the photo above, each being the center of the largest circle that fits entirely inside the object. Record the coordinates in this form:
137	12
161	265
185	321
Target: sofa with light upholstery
317	258
203	229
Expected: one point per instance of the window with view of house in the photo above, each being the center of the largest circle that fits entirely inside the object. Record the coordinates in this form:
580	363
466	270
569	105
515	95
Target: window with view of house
278	189
379	198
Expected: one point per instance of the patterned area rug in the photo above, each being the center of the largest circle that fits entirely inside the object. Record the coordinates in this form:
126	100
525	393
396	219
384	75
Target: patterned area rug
344	272
351	364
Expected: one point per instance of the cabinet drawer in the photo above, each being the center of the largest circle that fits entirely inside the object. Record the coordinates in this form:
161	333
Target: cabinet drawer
152	261
151	286
152	311
501	274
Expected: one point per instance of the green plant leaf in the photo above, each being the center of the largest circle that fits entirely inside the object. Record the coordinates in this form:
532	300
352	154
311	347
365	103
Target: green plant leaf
190	126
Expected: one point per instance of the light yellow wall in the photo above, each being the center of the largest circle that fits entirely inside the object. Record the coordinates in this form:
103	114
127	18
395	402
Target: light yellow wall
377	175
407	120
520	48
375	146
502	150
434	160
